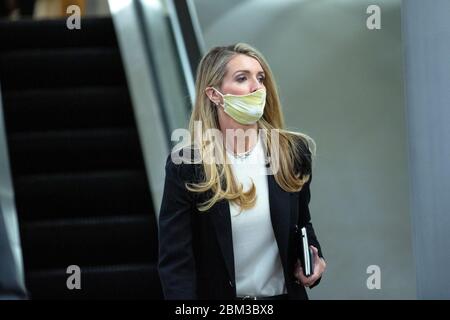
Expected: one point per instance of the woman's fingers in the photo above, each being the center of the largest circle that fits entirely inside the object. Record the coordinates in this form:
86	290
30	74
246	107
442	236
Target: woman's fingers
318	270
315	252
301	276
319	266
305	281
319	263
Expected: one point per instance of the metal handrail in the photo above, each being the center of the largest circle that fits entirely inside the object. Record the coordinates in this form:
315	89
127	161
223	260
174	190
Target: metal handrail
159	74
12	281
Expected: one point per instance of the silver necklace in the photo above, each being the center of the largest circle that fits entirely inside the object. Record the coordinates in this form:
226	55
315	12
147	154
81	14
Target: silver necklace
243	155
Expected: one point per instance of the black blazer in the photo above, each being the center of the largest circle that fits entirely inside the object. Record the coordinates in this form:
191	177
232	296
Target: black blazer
196	258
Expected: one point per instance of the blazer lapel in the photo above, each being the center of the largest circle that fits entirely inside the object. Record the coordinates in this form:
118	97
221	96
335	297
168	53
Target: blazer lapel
280	213
222	224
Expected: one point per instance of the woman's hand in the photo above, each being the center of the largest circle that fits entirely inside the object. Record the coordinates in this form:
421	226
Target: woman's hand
319	268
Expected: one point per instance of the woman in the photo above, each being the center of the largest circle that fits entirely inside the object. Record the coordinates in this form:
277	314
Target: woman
226	224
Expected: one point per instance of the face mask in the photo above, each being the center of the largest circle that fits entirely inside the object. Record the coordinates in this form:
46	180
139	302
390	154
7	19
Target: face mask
245	109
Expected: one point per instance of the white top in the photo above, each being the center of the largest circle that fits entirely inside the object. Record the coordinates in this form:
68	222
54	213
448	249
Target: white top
257	261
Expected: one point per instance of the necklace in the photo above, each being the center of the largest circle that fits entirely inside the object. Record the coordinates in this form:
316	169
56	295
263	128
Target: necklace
243	155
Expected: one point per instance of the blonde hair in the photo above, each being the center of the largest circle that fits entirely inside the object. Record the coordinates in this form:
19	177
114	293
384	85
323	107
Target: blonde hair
218	177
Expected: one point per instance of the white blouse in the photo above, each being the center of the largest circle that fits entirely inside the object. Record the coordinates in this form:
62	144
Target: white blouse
257	261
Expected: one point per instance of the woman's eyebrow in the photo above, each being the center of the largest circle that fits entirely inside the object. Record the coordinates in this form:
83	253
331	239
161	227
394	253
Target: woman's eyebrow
247	71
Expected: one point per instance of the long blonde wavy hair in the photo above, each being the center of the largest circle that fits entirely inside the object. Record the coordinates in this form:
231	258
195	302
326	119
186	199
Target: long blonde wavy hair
217	176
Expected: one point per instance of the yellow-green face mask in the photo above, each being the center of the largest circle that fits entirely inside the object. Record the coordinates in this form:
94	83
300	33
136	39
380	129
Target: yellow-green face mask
245	109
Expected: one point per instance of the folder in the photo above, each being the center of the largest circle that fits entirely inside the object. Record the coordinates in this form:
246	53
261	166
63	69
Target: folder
305	253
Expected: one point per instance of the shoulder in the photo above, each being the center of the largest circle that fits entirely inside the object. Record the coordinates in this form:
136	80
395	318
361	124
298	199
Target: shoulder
303	150
182	163
303	144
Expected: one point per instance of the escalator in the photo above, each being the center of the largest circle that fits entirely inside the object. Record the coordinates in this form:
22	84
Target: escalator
81	190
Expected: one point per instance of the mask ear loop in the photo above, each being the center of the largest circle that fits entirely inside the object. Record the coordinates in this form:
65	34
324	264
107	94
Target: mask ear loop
218	104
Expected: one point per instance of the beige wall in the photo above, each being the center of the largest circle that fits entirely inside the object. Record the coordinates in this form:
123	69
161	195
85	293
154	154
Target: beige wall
57	8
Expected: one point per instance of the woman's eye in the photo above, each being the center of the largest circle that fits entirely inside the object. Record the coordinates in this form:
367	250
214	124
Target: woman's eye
241	79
